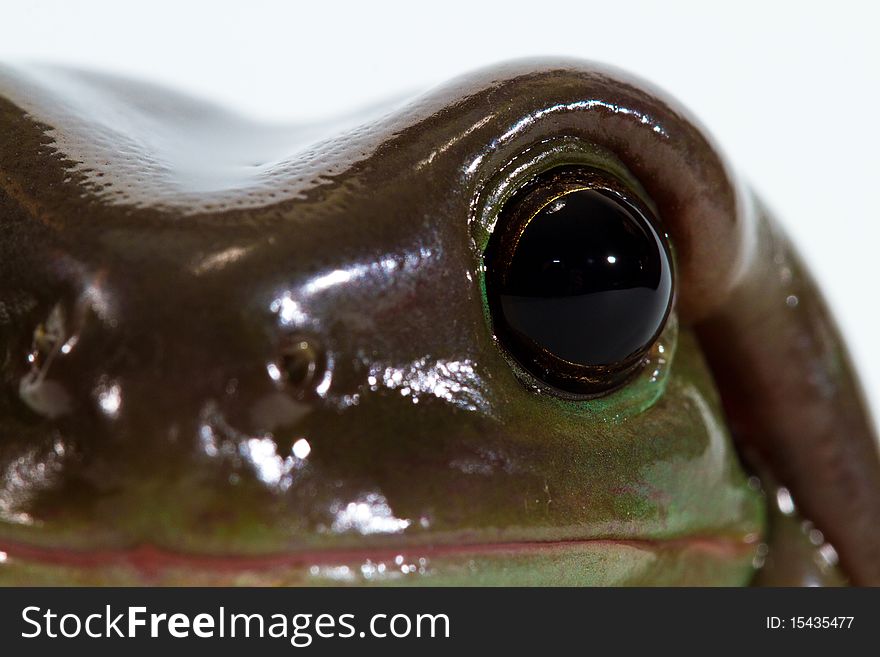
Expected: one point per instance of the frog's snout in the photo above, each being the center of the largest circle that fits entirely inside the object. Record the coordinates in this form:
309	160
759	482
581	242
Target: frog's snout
141	411
109	365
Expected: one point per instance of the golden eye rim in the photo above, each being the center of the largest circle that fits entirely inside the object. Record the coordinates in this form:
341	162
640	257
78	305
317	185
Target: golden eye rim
566	378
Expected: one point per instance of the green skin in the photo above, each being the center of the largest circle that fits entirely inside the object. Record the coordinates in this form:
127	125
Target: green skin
156	256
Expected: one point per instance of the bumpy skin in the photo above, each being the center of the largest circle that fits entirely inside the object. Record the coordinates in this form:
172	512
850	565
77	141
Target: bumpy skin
157	254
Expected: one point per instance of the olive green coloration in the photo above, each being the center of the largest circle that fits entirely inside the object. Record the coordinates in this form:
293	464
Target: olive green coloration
234	353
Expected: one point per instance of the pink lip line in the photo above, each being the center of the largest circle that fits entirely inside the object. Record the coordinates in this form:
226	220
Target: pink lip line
149	559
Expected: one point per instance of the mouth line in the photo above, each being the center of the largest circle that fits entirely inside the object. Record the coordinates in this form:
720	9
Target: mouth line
149	559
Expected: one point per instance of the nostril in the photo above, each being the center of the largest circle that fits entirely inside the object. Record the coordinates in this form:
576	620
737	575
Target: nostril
36	388
50	338
302	365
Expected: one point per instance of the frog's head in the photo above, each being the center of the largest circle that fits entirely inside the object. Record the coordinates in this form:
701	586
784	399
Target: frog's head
229	356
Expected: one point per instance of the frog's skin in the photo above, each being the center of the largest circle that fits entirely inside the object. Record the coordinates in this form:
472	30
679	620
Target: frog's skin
156	253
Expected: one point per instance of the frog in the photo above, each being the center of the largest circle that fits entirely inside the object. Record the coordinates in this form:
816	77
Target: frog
528	328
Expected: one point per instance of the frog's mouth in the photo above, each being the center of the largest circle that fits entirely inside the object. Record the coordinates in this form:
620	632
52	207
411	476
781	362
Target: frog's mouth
458	498
588	561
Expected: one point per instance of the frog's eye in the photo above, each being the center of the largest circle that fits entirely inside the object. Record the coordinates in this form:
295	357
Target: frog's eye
578	280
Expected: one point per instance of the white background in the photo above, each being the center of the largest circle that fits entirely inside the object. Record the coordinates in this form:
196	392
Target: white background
791	90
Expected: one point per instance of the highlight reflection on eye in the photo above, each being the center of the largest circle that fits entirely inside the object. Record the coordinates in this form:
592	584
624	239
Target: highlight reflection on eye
578	280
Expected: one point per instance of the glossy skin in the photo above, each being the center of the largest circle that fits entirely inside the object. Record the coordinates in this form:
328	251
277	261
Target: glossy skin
158	256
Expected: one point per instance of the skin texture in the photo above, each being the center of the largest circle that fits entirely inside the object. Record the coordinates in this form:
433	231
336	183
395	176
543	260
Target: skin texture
159	257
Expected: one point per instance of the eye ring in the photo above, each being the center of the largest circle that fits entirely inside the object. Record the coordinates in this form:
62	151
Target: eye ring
579	280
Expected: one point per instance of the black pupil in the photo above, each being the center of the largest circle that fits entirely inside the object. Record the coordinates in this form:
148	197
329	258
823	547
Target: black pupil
589	280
